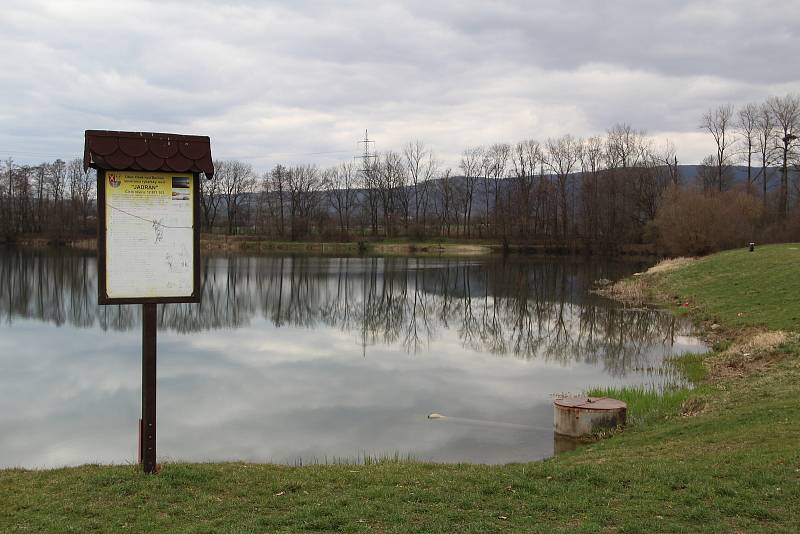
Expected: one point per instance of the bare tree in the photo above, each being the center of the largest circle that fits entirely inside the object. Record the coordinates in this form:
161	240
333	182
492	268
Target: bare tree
592	156
210	198
623	146
667	155
390	182
57	187
40	181
526	156
495	161
747	125
236	180
719	123
765	134
653	179
422	166
57	180
470	165
264	216
562	156
707	173
279	177
7	196
341	184
304	184
447	201
81	186
786	114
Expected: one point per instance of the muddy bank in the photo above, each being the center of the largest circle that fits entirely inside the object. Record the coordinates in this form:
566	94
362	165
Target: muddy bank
249	244
45	242
256	245
233	244
637	289
429	249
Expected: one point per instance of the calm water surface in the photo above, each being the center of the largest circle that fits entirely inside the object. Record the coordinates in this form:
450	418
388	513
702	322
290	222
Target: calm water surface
303	359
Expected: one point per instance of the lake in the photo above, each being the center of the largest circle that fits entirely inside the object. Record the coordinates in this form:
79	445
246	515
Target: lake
318	359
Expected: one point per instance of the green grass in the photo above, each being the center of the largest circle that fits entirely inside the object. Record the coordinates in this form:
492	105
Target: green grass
652	404
646	404
734	467
691	367
681	392
743	289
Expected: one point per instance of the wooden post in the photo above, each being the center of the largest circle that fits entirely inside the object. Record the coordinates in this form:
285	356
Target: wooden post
148	434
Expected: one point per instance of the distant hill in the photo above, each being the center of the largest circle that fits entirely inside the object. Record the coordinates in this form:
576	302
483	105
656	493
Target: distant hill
688	173
737	173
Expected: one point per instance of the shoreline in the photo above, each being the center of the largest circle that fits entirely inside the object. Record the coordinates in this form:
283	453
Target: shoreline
390	247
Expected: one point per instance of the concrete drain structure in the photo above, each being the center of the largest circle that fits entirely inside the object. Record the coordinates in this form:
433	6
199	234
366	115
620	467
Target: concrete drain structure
582	416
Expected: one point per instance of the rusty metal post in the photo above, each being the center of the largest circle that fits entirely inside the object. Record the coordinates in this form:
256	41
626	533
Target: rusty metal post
148	433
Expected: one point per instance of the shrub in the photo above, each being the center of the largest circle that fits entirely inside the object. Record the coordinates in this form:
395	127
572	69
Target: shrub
691	222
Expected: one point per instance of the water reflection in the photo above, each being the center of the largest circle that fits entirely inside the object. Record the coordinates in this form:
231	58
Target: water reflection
528	309
307	358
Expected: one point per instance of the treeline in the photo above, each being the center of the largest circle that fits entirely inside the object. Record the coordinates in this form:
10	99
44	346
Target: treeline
54	199
600	192
595	193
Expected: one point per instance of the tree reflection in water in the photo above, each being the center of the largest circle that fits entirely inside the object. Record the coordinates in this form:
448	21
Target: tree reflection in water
527	308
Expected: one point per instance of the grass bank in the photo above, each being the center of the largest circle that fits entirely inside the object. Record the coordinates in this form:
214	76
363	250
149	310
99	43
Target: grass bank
722	457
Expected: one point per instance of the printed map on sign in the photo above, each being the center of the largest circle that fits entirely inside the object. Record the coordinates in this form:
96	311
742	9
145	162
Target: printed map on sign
149	234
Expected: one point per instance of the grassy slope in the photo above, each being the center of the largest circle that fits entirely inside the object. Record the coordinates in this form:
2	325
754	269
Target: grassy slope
734	467
742	289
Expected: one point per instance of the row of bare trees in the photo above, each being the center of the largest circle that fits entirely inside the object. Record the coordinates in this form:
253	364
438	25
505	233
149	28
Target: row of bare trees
602	191
717	212
758	136
55	198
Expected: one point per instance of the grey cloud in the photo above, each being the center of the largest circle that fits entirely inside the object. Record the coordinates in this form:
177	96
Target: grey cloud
283	82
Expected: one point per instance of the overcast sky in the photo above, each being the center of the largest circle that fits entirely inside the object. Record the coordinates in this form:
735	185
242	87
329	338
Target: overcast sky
300	81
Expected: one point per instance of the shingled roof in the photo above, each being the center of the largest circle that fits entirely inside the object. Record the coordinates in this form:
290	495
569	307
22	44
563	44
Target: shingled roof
147	151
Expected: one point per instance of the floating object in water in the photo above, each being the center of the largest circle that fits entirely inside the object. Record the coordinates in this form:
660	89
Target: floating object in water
583	416
435	416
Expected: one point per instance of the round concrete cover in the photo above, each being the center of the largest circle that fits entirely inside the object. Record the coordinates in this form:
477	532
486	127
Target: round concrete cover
591	403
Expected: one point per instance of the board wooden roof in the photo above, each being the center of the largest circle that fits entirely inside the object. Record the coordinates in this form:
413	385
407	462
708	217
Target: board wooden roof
147	151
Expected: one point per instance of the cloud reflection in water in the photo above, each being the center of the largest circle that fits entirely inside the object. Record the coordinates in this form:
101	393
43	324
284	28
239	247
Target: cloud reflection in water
307	358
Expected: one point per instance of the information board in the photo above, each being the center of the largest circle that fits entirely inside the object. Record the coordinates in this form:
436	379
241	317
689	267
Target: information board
149	240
